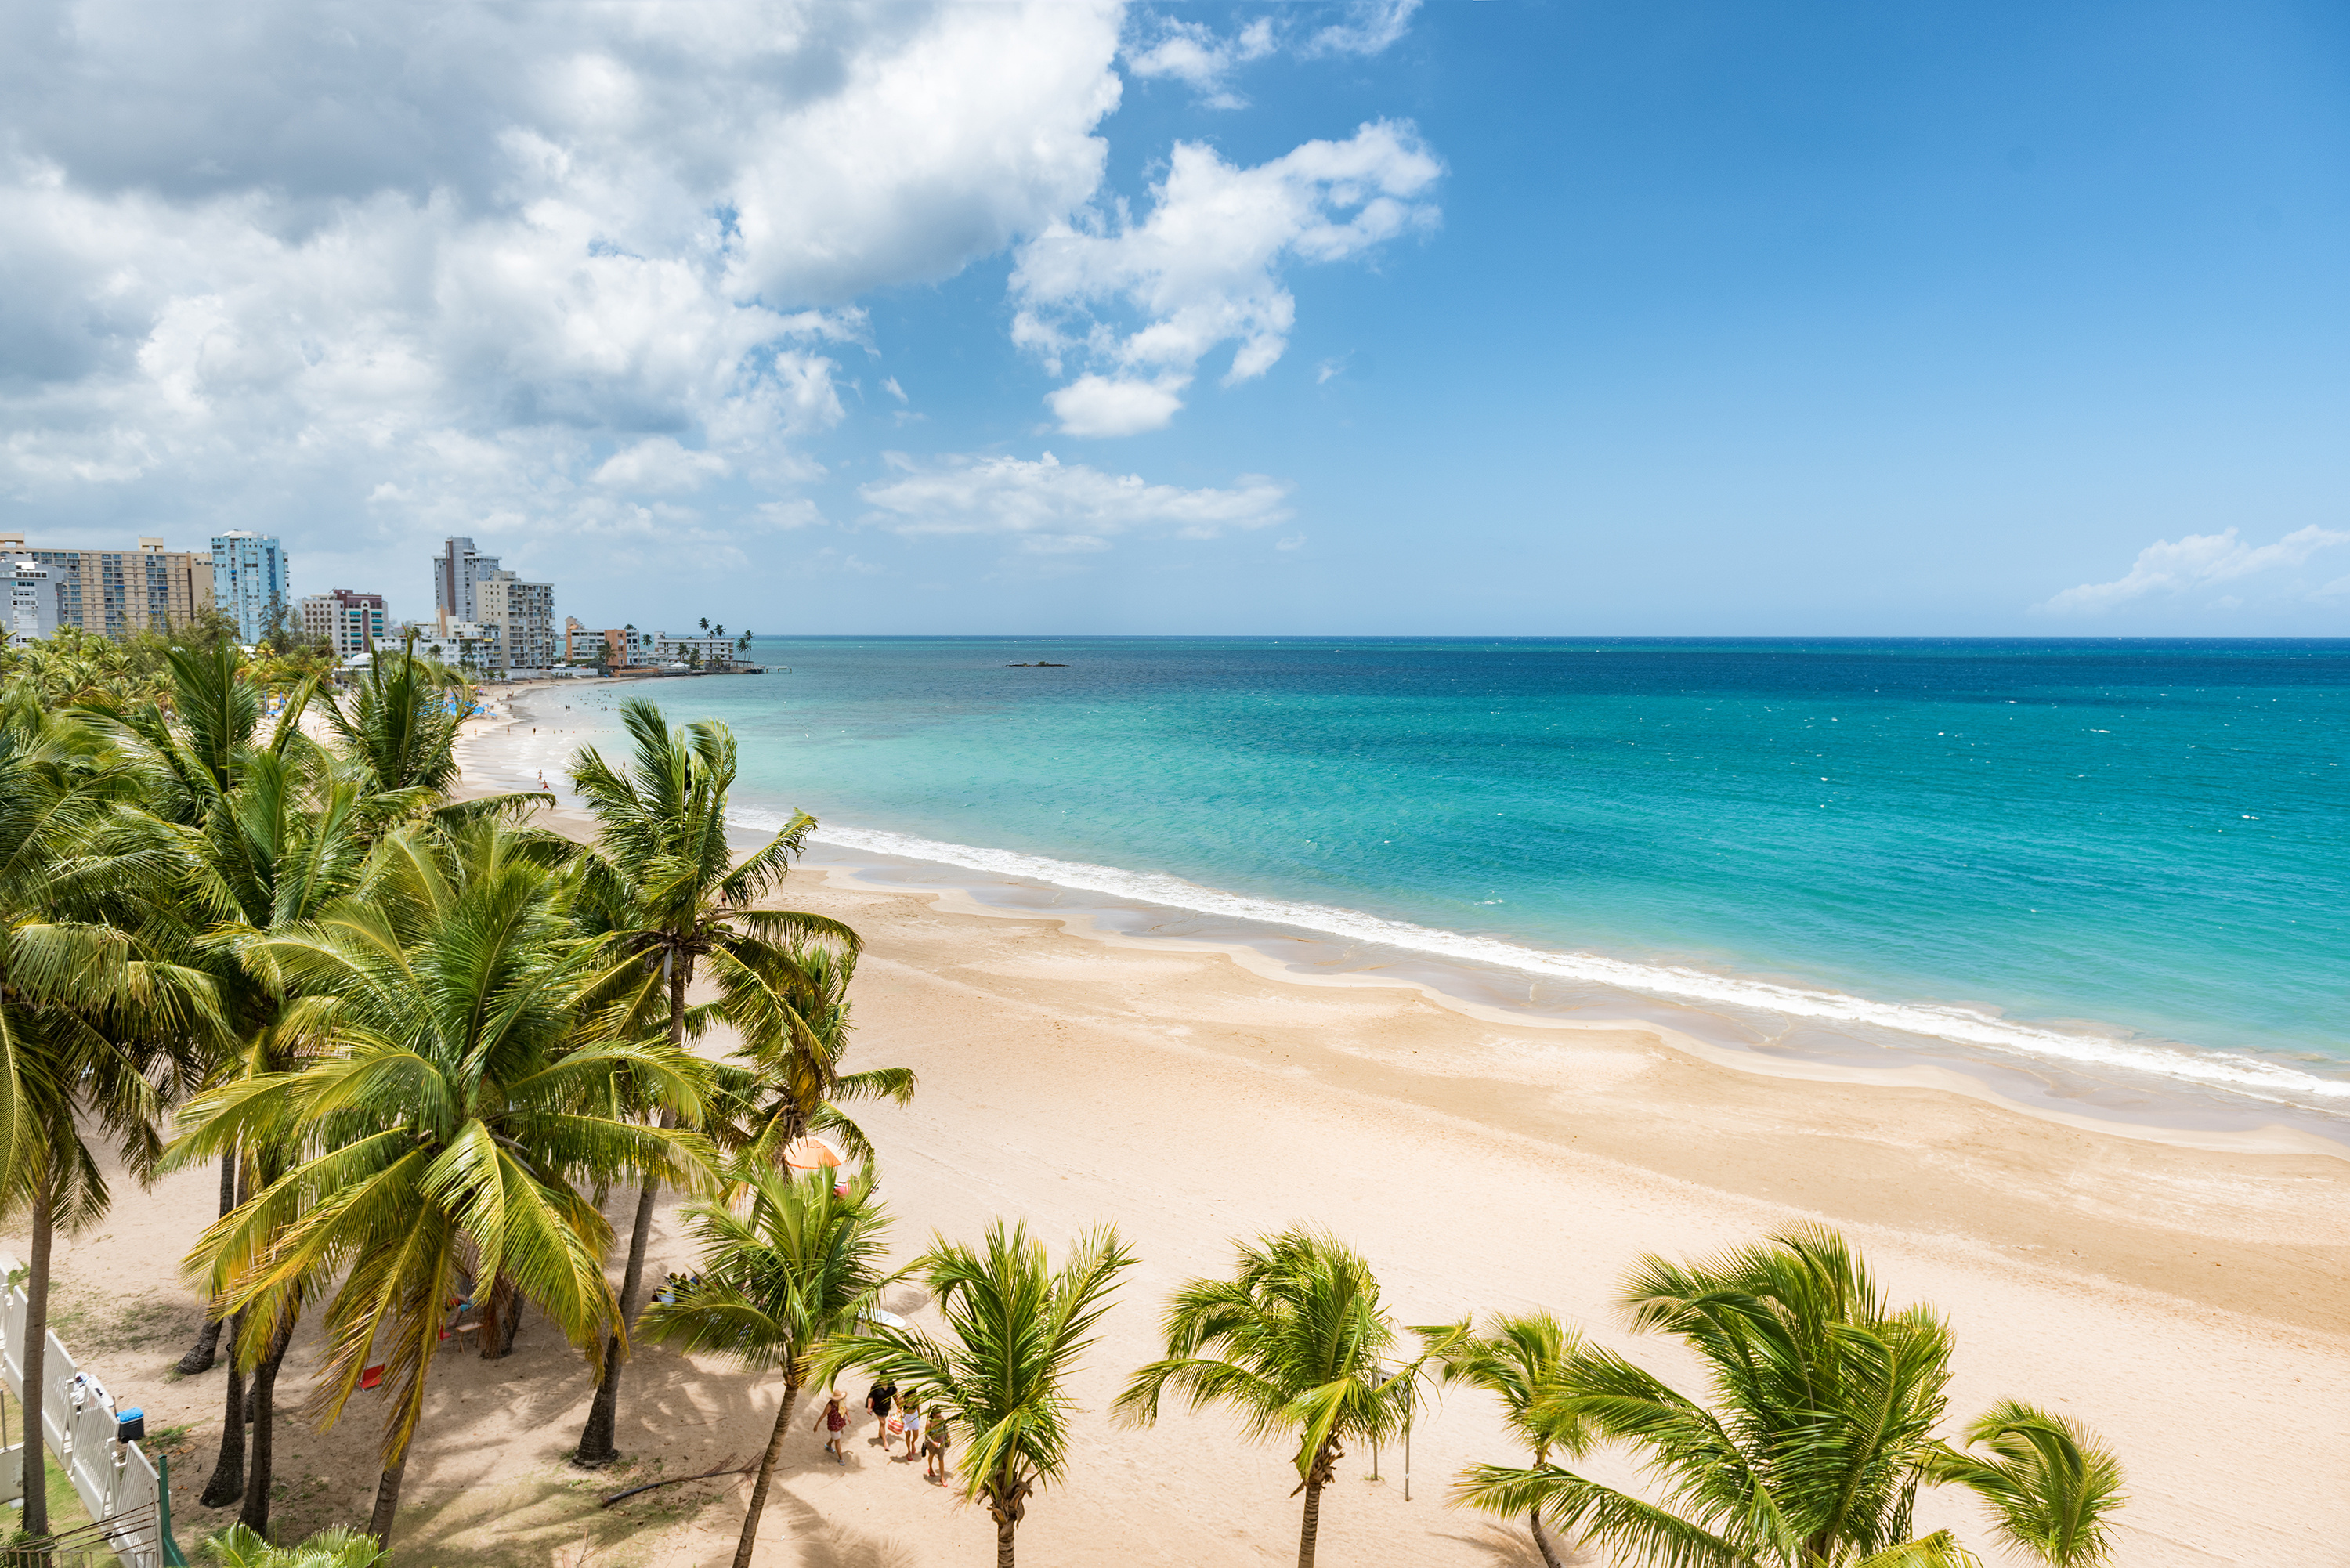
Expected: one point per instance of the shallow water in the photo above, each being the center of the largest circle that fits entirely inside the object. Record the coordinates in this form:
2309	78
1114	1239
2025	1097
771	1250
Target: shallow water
2122	858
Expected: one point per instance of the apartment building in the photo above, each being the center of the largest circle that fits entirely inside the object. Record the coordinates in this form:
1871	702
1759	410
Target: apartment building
349	622
457	571
252	581
112	593
523	614
696	651
35	609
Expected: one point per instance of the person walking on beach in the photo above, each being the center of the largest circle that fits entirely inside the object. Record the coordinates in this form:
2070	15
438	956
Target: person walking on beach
935	1438
879	1399
913	1429
834	1420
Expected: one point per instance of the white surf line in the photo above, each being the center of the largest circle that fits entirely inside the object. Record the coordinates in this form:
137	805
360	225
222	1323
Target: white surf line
2245	1075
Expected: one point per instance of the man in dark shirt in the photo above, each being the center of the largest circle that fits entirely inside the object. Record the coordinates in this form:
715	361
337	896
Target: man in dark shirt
880	1400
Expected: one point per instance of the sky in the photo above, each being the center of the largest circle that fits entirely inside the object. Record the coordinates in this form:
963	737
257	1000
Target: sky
1367	317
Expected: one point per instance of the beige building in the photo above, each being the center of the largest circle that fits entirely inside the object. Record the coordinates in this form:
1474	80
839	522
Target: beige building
524	615
114	592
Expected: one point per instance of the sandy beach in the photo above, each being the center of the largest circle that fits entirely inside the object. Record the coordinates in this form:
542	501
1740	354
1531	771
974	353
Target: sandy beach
2191	1303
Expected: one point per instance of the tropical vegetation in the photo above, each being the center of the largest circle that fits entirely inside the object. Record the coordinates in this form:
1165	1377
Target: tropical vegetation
1819	1433
1294	1344
1017	1330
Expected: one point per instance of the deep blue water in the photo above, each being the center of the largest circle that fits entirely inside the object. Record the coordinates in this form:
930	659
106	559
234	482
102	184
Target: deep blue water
2147	836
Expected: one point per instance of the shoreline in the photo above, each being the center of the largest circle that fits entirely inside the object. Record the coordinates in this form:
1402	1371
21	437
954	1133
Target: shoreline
1195	1091
2211	1113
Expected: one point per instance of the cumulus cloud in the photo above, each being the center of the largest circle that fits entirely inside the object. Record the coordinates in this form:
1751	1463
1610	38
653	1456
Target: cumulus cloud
1196	54
522	268
1144	302
1050	507
2199	560
1101	406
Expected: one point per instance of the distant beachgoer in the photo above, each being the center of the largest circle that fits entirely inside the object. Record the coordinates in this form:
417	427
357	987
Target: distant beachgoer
936	1437
878	1399
834	1420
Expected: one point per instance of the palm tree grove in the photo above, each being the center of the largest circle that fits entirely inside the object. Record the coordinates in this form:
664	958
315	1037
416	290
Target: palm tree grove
436	1048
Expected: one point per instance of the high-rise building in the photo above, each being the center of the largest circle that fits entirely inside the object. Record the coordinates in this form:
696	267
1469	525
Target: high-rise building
250	581
352	623
457	570
35	609
112	593
523	614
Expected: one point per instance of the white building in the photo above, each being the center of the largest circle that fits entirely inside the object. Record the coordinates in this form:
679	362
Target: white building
36	602
457	571
701	650
251	573
350	623
461	645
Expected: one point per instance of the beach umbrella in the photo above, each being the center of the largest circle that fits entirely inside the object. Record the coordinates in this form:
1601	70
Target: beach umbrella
811	1154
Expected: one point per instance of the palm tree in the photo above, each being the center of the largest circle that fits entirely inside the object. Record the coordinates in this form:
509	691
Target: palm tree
450	1132
795	1025
1520	1360
100	1023
1825	1401
398	722
661	888
1295	1343
1020	1329
240	1546
2048	1483
778	1282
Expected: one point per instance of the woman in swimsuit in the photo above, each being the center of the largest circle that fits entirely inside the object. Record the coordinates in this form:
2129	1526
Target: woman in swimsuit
834	1420
913	1418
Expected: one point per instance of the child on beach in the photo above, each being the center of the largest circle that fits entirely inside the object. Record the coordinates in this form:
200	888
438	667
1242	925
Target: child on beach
834	1420
913	1425
935	1438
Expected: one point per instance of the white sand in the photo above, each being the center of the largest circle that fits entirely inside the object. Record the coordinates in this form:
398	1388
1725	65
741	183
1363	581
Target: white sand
2187	1303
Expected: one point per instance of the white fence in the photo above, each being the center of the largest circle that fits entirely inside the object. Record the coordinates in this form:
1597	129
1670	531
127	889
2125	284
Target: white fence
119	1487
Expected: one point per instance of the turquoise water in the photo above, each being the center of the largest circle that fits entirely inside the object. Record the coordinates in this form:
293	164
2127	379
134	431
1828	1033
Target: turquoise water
2005	843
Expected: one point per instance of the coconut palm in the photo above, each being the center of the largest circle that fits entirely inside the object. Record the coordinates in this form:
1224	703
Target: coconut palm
777	1281
1820	1432
461	1107
1294	1343
239	1546
1019	1330
1521	1360
100	1025
661	888
794	1019
2048	1483
399	722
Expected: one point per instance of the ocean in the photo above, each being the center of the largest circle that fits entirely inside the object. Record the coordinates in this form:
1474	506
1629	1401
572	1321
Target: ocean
2107	873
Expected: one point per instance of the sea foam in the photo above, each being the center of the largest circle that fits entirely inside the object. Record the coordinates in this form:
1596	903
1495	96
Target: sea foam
2222	1069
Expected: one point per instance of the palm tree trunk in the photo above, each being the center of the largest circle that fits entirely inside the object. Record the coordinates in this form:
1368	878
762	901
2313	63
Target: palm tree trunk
386	1499
1317	1476
766	1475
259	1475
207	1346
1542	1540
227	1483
1003	1543
35	1356
597	1445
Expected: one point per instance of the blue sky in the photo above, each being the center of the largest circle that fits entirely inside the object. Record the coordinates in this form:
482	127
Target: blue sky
1479	320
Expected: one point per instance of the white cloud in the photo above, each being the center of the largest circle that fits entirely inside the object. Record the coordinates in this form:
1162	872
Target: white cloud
2196	559
659	464
1371	26
1204	268
1056	508
1193	53
359	274
1099	406
889	385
